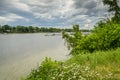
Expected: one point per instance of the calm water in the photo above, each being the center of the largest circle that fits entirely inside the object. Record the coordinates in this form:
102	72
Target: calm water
19	53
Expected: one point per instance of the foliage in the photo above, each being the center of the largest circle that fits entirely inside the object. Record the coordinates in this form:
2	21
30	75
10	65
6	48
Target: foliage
104	36
101	65
99	58
113	7
29	29
43	72
73	38
66	72
100	61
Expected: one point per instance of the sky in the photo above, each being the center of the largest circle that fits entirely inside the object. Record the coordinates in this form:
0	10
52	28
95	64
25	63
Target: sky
52	13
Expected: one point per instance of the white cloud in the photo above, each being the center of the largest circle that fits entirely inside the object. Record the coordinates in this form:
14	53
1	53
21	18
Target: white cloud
11	18
45	16
56	8
12	5
21	6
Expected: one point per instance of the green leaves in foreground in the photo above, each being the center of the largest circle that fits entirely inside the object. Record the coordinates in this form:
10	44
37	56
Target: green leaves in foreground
52	70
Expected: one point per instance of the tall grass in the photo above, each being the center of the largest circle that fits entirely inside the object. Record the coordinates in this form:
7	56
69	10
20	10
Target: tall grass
97	58
101	61
96	66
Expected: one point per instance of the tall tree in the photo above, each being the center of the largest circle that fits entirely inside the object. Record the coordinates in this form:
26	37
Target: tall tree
31	29
6	28
1	29
113	7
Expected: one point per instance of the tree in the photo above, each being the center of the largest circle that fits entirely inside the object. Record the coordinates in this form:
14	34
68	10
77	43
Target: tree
36	29
19	29
1	31
13	29
6	28
73	38
31	29
113	7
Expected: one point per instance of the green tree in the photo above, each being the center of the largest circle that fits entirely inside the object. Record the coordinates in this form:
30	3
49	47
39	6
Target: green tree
26	30
6	28
73	38
31	29
13	30
1	31
20	29
36	29
113	7
104	36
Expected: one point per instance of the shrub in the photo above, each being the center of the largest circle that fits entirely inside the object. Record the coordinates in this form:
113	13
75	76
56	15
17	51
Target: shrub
43	71
103	37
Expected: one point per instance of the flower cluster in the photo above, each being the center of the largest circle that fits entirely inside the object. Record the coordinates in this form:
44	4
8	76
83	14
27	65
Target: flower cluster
77	72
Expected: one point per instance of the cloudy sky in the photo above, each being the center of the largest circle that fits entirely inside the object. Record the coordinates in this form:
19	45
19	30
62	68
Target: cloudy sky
56	13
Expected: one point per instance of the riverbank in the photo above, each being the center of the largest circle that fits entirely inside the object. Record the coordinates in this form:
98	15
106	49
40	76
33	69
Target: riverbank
100	65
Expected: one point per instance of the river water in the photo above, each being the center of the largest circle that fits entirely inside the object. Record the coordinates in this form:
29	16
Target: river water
19	53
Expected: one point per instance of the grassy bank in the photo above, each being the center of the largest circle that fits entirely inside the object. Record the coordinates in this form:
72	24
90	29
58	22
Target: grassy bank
102	62
96	66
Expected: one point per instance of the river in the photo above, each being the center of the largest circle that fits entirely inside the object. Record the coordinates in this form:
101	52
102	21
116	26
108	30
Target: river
19	53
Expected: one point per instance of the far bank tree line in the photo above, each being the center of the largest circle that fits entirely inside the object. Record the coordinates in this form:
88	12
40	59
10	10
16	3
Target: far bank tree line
31	29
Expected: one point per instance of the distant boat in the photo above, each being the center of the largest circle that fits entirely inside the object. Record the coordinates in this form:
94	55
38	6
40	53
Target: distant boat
53	34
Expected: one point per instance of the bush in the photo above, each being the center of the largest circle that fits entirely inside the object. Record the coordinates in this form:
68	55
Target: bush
43	71
104	37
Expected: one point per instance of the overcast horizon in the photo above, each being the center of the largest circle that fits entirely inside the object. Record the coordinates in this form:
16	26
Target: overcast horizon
54	13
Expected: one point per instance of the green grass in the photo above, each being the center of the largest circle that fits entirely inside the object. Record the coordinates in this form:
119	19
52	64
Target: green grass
100	61
96	66
97	58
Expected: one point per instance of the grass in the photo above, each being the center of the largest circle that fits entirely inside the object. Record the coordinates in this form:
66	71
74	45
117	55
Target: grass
100	65
100	61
